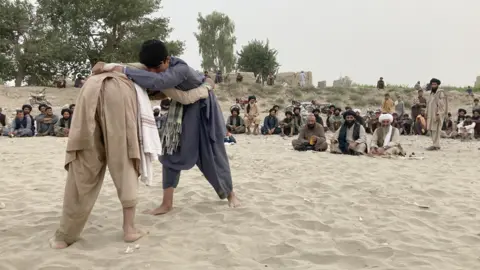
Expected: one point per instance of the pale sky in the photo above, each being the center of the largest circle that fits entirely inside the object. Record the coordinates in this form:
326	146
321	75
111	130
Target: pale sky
401	40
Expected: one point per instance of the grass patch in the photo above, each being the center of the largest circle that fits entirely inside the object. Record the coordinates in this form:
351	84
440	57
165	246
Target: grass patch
280	101
297	93
375	101
360	103
334	99
222	98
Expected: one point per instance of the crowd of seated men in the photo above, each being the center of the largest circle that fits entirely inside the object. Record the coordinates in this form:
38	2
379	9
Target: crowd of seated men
46	123
349	127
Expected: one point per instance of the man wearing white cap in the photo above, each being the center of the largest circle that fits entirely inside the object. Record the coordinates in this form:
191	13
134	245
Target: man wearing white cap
386	138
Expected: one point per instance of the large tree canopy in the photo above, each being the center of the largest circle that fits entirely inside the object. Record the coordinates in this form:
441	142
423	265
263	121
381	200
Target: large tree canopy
259	58
215	41
69	36
109	30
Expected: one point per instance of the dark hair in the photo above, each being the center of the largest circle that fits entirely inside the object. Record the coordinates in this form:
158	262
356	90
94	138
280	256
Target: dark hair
288	113
272	109
235	109
165	102
48	107
65	110
435	80
41	105
153	53
316	110
476	99
26	106
297	108
19	111
275	106
71	106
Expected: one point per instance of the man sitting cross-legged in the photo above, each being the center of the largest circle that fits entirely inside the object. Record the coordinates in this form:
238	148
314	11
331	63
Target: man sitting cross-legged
386	138
311	137
350	138
287	125
235	122
62	127
271	124
466	128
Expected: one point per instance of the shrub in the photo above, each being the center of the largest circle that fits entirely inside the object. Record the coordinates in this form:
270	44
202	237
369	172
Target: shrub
279	101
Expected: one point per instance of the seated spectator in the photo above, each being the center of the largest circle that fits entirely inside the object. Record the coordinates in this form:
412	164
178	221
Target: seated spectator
311	137
3	121
47	124
271	124
21	126
235	122
62	127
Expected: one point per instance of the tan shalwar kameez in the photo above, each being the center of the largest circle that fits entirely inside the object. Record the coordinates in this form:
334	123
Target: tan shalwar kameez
361	142
104	133
306	134
394	147
252	117
437	104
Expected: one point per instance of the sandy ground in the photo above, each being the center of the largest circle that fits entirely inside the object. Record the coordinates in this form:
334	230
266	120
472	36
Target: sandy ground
301	210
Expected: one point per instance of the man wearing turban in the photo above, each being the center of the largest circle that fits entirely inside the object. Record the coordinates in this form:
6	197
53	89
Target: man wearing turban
437	108
386	138
235	122
252	113
350	138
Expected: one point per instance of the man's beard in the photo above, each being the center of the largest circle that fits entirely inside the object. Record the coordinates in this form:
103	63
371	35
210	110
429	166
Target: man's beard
434	90
311	126
156	113
349	123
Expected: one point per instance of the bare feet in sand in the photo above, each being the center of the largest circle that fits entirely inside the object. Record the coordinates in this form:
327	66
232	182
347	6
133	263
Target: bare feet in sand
161	210
57	244
133	235
233	200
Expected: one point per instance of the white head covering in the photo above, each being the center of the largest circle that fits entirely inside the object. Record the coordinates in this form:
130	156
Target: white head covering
386	116
357	111
156	107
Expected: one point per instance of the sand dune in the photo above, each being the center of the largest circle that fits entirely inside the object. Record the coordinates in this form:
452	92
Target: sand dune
300	211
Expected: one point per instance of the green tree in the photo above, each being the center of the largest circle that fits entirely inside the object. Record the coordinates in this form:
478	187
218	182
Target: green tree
259	58
22	40
215	41
108	30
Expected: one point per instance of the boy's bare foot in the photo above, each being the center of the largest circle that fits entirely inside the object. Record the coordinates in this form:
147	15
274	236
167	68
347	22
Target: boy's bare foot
133	235
161	210
57	244
233	200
